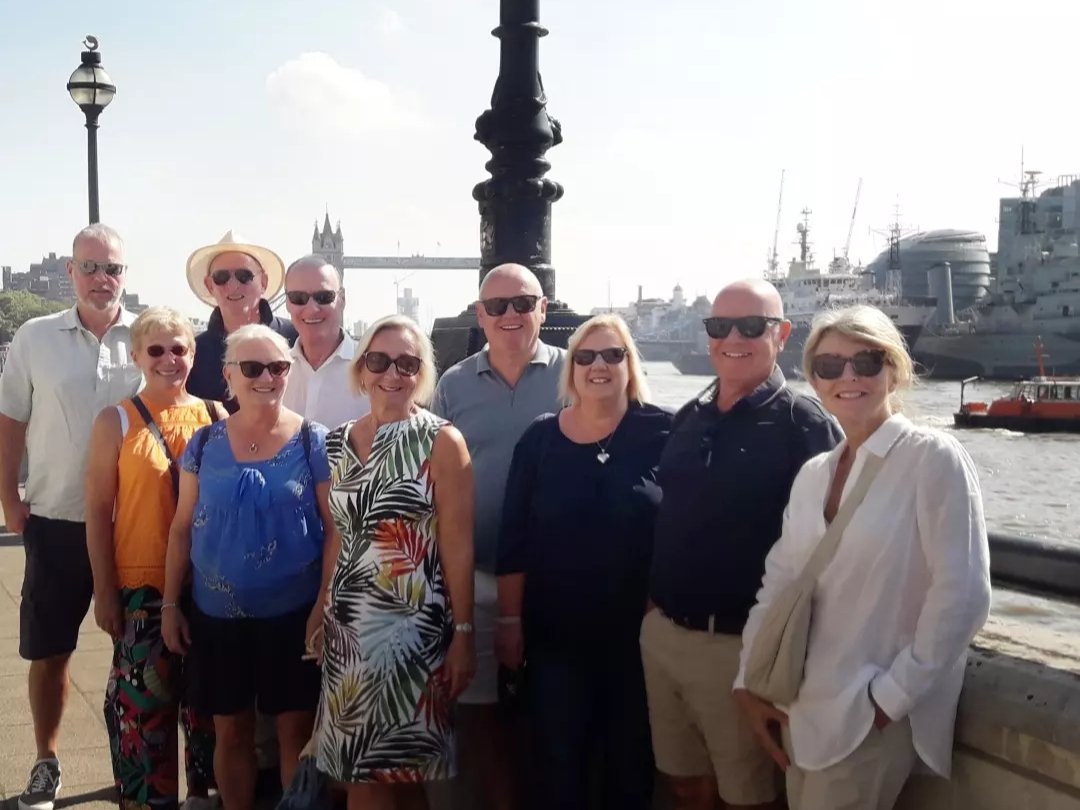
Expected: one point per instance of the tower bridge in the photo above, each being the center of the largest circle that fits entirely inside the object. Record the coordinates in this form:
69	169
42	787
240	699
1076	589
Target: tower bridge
330	244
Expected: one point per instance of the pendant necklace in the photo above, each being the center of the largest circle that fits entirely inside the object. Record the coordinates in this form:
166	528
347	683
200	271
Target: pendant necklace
604	455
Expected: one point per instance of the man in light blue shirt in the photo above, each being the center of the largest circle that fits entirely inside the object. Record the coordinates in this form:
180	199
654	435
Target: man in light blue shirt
492	397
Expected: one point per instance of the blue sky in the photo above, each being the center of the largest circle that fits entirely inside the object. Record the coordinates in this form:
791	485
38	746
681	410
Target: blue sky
678	117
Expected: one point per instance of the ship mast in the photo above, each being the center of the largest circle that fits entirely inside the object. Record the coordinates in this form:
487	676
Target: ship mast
805	256
774	258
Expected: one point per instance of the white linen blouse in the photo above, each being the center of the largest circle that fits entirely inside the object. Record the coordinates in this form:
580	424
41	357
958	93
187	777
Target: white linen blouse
898	605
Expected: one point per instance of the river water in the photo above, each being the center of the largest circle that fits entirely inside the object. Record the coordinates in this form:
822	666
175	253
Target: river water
1028	484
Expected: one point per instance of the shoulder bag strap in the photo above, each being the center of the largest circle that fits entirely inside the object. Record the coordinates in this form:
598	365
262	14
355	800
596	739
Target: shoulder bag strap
144	412
305	440
825	550
211	410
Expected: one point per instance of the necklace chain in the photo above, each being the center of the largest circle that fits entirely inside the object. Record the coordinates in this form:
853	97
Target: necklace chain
604	455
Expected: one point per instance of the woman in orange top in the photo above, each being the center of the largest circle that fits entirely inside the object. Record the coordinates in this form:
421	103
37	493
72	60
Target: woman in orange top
131	498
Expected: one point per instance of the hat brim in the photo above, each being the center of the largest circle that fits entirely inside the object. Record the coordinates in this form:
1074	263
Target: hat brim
198	268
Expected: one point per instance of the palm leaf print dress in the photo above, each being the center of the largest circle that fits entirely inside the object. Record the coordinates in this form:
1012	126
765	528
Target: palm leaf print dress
384	715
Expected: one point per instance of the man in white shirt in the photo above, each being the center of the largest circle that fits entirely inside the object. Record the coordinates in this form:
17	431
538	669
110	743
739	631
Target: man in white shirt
319	385
61	370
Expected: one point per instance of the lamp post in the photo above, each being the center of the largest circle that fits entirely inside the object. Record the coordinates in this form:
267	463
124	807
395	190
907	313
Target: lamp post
515	202
92	89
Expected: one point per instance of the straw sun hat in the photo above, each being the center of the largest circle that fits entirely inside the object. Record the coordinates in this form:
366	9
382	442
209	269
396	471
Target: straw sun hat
198	265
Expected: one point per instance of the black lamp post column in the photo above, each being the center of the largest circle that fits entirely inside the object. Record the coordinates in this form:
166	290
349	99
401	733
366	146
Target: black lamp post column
92	89
515	204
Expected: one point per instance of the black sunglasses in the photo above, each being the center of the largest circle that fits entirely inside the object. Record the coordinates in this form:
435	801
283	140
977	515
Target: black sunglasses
89	267
379	363
749	326
323	298
156	350
521	304
612	356
221	277
867	363
253	369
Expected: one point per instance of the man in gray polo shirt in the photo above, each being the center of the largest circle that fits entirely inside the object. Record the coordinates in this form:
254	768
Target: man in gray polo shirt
492	397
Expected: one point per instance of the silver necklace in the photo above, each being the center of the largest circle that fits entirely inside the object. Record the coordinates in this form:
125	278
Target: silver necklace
604	455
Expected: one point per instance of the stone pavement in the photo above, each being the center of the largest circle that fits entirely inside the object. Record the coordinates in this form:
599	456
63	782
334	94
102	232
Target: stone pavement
84	743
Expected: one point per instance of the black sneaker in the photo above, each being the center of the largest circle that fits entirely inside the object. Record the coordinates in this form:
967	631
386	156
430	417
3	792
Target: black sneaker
43	786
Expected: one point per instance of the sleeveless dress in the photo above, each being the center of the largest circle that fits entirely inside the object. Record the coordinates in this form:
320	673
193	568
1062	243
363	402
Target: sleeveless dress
384	714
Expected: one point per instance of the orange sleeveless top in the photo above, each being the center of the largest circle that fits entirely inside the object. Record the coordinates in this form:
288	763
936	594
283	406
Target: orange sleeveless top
145	503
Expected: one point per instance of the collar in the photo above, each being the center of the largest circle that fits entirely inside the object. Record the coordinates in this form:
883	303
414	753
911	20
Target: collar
71	319
541	357
882	439
762	395
346	349
217	323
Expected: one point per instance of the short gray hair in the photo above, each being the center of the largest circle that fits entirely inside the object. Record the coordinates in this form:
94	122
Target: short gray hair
98	231
314	260
425	378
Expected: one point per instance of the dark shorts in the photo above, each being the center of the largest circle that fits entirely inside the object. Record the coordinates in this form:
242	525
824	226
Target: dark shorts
239	664
57	587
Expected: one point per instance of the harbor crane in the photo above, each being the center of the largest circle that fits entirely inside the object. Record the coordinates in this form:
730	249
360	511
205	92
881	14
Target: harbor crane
774	257
851	225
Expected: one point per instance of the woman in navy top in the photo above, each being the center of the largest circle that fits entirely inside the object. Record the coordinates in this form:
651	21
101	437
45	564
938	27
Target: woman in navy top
573	564
249	528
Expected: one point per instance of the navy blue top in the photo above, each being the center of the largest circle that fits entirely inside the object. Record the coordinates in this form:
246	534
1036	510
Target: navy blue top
726	478
257	534
581	530
207	380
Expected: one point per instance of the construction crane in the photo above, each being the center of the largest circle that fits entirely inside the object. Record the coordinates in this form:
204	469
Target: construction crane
851	226
774	258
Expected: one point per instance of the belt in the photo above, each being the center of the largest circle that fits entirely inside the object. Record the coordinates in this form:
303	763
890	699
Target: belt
704	623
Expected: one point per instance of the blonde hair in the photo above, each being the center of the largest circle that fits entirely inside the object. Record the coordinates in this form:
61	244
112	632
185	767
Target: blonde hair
253	331
425	377
637	389
164	318
865	324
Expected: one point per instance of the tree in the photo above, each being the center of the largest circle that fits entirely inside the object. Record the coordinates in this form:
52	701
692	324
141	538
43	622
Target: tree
17	307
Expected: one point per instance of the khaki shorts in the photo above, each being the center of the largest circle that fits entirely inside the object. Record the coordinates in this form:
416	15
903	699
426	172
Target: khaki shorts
697	729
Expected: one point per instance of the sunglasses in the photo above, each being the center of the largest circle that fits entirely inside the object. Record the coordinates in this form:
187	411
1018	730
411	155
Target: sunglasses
379	363
520	303
156	350
749	326
612	356
242	274
253	369
867	363
89	267
323	298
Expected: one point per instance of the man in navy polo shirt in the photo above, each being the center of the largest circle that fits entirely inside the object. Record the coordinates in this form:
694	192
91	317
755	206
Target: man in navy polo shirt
726	473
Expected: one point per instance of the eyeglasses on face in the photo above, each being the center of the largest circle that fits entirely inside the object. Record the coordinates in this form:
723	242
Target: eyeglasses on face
380	362
242	274
612	356
253	369
323	298
749	326
89	267
867	363
157	350
521	304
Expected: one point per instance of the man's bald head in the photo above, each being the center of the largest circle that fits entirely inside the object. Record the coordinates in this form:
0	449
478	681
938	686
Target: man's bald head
752	296
310	262
508	280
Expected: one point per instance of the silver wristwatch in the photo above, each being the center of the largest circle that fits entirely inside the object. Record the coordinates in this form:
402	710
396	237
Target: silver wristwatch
464	627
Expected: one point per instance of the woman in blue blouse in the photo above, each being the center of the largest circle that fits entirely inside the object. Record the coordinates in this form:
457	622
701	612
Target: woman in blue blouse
573	564
249	528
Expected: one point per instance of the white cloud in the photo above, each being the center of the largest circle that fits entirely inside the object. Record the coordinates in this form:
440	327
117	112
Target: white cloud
390	23
315	92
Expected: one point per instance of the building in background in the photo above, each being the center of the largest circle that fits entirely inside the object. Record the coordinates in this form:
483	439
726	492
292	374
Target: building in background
48	278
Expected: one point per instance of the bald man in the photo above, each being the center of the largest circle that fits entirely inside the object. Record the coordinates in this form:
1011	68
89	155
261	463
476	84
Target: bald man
726	473
491	397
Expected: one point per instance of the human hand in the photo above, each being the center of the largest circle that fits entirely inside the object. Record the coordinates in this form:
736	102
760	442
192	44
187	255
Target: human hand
460	662
108	615
16	513
313	635
509	644
175	630
760	714
880	718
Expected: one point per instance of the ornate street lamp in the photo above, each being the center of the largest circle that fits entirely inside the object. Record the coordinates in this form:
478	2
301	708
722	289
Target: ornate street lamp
92	89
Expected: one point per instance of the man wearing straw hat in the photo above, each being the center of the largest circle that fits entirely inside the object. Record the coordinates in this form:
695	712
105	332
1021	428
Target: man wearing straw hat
236	278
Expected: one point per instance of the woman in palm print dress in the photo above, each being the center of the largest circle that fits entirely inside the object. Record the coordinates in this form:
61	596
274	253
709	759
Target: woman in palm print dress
398	645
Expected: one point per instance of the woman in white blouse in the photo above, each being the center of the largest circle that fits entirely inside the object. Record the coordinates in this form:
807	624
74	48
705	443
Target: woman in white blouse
901	600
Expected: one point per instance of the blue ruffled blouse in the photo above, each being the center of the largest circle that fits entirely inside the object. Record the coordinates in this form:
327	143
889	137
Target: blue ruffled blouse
256	535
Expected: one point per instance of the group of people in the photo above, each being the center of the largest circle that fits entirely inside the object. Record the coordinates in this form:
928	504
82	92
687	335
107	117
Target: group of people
289	532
